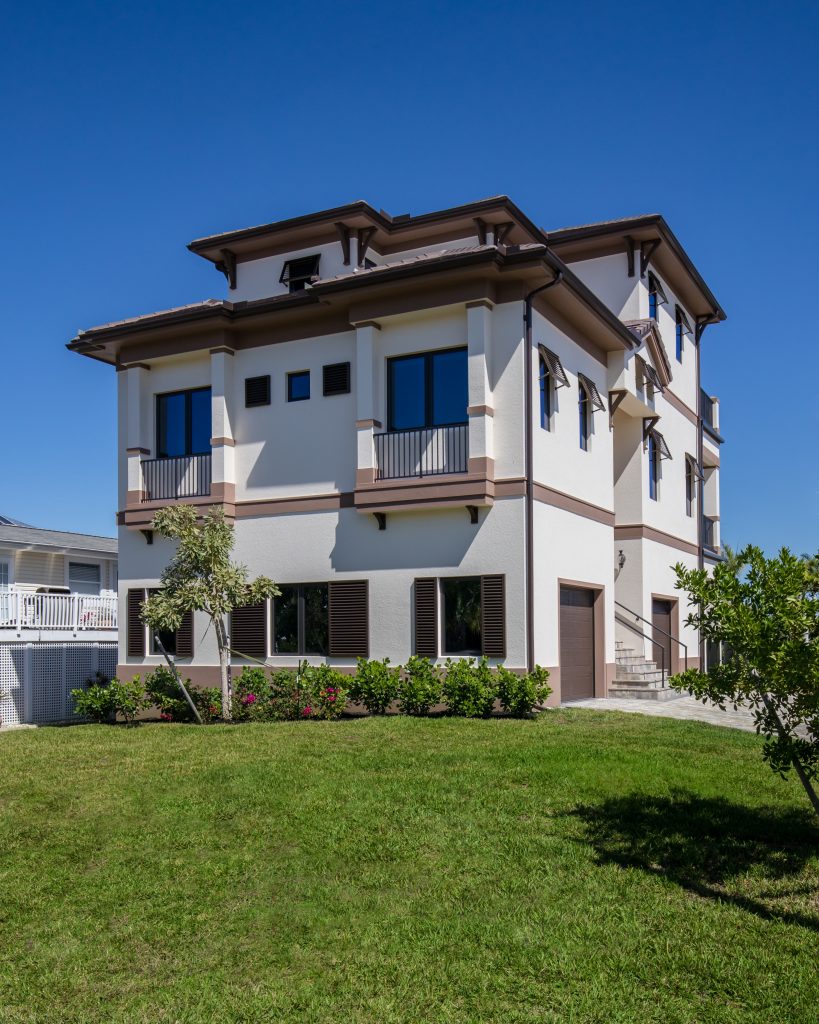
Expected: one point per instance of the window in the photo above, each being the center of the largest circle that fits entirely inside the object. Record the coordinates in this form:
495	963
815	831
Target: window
428	390
545	395
301	619
653	468
462	615
680	340
298	273
584	415
167	638
689	488
183	424
656	295
683	328
257	391
298	386
4	574
84	578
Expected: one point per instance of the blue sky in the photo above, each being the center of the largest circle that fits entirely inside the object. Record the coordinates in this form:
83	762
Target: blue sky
130	129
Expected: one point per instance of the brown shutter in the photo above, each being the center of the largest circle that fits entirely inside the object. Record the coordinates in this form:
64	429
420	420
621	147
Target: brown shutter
426	617
493	617
184	637
349	619
248	633
336	379
135	627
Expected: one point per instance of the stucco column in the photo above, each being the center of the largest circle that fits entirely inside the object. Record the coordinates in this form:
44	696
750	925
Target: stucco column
480	410
367	399
223	471
137	444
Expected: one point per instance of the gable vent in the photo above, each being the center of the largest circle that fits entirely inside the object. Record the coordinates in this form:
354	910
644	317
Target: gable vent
336	379
248	635
493	617
135	626
257	391
349	619
426	617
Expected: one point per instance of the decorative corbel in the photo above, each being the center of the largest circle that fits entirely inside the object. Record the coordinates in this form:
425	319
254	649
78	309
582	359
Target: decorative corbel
344	236
473	513
227	266
615	401
699	326
148	535
480	225
381	519
502	230
630	254
365	236
649	423
647	250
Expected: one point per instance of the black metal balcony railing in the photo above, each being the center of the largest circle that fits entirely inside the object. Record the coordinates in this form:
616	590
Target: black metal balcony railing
427	451
707	405
184	476
708	538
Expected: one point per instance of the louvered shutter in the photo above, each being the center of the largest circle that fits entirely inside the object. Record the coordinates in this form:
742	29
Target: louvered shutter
257	391
184	637
349	619
336	379
493	616
426	618
248	633
135	627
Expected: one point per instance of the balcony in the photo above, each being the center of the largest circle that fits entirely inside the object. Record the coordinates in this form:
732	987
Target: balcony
427	451
709	539
185	476
68	612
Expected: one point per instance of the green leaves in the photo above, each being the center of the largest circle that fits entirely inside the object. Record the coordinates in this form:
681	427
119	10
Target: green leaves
765	614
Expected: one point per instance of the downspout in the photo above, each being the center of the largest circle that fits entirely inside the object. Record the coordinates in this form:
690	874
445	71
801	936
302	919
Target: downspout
699	328
530	495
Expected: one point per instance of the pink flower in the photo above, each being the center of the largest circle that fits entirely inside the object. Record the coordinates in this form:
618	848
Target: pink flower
307	711
249	698
332	697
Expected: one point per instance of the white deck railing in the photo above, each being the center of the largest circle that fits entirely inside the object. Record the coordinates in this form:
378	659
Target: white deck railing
74	612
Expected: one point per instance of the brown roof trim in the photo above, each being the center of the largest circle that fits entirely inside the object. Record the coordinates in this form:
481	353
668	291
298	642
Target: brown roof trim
654	223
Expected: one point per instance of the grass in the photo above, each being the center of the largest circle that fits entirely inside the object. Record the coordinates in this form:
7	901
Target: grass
581	867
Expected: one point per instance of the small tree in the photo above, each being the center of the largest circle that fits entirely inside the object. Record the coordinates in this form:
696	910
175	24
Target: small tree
765	613
201	577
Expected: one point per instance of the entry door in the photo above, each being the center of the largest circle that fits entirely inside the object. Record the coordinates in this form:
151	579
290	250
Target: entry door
661	620
576	643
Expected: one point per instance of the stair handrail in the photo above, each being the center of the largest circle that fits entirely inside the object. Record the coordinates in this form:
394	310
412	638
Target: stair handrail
645	636
659	629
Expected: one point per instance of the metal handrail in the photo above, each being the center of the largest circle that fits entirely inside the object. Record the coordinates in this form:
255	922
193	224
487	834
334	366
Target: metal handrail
645	636
659	629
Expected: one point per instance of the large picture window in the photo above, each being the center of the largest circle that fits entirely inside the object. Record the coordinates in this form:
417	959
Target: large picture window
301	619
462	615
84	578
183	423
427	390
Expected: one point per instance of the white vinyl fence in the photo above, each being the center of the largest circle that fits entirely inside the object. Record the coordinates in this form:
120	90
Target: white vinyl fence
36	679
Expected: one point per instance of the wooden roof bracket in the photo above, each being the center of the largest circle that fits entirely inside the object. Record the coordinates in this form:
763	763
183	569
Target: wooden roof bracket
647	250
365	236
473	513
344	236
615	401
227	266
630	254
381	519
480	225
649	423
502	230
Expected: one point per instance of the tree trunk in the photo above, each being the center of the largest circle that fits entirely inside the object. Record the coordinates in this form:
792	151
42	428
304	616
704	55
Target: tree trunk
224	669
797	764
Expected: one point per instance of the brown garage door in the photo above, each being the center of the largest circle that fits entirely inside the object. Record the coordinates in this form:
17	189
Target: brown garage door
576	643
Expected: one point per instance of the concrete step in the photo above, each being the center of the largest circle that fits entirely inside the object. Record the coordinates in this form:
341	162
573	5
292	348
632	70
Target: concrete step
639	677
637	663
631	692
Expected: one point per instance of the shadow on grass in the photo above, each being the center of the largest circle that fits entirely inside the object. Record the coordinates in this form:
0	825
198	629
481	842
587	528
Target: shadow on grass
706	845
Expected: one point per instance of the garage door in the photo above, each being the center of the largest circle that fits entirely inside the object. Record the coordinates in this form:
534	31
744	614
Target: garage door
576	643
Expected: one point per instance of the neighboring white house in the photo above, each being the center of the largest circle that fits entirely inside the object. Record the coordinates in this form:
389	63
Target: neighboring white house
449	434
58	618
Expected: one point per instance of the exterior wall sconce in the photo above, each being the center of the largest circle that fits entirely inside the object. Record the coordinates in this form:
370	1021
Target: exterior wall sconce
621	559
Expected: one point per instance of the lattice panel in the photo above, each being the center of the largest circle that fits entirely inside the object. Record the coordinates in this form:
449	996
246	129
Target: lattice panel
12	695
47	683
81	661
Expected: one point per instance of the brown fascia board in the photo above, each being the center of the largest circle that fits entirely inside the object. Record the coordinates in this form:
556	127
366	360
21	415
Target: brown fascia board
569	242
390	230
224	314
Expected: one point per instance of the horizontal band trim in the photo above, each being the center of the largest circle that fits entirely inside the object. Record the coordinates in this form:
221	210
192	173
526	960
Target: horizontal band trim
639	531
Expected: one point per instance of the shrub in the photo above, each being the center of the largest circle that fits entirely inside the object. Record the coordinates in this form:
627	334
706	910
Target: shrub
420	689
163	691
375	685
469	689
518	695
263	696
323	691
104	699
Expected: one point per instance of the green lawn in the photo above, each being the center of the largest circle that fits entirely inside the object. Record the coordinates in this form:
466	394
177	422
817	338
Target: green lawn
580	867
